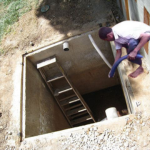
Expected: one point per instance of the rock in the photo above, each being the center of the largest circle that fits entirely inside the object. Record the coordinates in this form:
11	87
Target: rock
138	103
31	43
126	144
9	133
138	117
95	128
127	133
6	137
24	142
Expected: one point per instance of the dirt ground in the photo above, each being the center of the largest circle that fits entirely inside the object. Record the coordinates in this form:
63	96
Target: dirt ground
33	30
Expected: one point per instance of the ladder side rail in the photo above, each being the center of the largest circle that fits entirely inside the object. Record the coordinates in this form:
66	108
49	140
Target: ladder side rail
40	70
77	93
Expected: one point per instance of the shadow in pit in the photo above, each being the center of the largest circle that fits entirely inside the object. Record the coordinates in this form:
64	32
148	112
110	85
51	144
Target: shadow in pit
70	15
101	100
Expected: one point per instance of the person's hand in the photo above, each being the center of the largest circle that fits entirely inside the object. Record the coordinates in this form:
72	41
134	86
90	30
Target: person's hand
132	55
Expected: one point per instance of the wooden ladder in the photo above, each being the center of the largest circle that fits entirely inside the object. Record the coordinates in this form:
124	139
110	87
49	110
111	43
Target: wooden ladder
68	98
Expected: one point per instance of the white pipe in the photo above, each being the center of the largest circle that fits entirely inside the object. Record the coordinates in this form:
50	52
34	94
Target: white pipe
111	113
99	51
66	46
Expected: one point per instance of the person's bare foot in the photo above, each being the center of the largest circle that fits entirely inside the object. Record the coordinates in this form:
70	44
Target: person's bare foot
137	72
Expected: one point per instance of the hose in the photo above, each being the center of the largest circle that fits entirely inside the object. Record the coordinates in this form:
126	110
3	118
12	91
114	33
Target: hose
114	67
99	51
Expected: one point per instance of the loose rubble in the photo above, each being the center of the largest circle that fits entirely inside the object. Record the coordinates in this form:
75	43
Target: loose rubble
92	139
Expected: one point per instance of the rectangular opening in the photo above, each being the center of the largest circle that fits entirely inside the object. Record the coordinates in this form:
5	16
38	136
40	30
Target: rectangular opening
88	74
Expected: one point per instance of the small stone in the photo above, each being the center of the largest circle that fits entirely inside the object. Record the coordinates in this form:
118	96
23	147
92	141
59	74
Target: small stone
138	104
138	121
101	136
145	144
138	117
9	133
133	148
128	130
127	133
31	43
6	137
1	127
126	144
95	128
96	133
24	142
91	129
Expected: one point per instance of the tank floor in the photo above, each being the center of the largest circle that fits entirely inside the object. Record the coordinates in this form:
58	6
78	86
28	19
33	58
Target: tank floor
99	101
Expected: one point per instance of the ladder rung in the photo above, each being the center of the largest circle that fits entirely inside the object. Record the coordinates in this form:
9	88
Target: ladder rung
73	106
55	78
65	90
67	97
78	115
80	120
60	91
75	111
69	101
46	62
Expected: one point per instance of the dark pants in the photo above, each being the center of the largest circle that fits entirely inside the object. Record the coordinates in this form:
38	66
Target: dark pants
130	47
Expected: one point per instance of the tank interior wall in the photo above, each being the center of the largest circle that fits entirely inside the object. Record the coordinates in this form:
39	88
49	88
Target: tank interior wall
82	64
43	114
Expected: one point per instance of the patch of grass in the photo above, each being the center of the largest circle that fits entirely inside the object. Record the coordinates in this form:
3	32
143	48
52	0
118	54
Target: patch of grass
11	10
1	51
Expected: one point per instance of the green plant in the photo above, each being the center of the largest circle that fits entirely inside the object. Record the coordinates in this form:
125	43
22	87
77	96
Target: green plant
11	10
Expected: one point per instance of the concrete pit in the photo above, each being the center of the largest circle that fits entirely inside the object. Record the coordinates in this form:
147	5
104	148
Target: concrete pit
84	68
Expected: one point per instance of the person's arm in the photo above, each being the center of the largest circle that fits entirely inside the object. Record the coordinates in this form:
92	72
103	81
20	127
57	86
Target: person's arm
118	54
144	37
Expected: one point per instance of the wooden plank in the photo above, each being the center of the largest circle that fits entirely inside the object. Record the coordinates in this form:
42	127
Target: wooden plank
63	90
80	120
67	97
146	20
78	115
46	62
75	111
127	9
69	101
55	78
71	107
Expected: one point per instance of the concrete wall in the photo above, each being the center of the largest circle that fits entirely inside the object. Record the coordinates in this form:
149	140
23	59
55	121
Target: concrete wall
82	64
43	115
